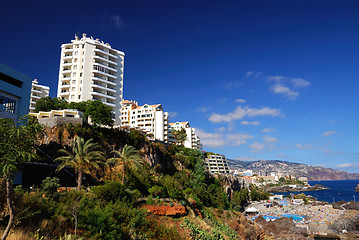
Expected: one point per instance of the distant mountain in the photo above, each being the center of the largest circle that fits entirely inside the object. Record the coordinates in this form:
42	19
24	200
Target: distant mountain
313	173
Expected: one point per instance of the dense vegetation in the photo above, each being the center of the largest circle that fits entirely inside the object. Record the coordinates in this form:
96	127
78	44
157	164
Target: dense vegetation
125	169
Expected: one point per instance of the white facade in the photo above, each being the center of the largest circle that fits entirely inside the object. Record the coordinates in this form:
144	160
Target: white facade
150	119
192	140
37	91
91	70
216	163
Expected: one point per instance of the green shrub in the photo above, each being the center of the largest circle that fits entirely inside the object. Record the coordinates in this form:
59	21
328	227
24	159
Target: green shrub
50	186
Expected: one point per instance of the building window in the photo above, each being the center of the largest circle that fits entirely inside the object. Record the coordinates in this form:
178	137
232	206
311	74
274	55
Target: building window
73	89
7	104
74	74
76	53
75	60
79	96
72	96
73	81
75	67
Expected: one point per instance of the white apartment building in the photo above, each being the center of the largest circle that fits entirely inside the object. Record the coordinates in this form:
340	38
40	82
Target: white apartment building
192	140
216	163
150	119
37	91
92	70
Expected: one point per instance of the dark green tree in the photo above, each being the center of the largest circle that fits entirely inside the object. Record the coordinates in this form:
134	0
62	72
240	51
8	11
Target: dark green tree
98	112
180	136
17	146
47	104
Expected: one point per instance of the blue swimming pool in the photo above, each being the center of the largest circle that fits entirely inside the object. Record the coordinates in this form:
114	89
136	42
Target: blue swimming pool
294	216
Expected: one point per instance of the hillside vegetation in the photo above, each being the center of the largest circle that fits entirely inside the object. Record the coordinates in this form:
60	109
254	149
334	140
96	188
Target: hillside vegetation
112	201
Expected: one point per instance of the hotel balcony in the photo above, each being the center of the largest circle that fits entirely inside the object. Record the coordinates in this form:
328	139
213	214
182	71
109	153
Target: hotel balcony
64	71
105	53
103	87
65	86
68	50
64	93
104	74
67	64
67	57
36	91
102	95
104	59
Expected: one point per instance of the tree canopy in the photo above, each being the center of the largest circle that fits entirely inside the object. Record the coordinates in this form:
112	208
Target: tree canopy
47	104
97	111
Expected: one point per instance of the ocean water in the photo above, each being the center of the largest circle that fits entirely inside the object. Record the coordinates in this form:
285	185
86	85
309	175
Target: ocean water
339	190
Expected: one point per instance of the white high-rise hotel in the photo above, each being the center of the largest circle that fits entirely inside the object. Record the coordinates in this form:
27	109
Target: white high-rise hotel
91	70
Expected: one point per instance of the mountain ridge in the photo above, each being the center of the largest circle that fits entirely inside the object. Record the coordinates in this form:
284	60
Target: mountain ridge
312	173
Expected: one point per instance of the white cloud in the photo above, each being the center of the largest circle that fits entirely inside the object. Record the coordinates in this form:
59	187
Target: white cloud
241	101
173	114
285	91
328	133
210	139
234	84
115	19
299	82
203	109
221	129
238	139
286	86
276	78
345	165
241	112
333	121
269	140
303	146
268	130
253	74
242	158
255	123
257	147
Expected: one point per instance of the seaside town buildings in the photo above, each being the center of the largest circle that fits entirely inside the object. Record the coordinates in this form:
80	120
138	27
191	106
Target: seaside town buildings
15	89
150	119
92	70
37	91
216	163
192	141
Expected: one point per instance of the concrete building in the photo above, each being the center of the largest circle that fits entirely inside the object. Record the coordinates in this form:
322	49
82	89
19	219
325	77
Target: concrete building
150	119
59	117
92	70
15	89
192	141
37	91
216	163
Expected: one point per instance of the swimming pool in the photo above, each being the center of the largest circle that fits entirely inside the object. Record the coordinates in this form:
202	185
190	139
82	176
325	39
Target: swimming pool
295	217
270	217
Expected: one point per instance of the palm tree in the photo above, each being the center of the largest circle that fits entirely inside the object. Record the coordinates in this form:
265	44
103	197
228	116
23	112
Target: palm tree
129	157
84	158
16	147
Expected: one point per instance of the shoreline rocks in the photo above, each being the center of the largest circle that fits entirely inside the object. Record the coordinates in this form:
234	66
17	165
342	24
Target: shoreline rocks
287	188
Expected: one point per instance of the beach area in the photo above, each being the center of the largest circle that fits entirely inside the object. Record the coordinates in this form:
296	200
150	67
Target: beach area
316	217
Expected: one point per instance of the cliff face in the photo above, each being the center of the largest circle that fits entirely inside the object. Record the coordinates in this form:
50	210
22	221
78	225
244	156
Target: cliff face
313	173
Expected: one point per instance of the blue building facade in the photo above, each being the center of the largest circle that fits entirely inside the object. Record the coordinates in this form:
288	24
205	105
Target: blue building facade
15	90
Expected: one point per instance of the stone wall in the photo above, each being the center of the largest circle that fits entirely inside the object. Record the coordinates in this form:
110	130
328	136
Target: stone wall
57	121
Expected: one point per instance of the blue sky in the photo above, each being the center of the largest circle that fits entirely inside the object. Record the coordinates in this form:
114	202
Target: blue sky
265	79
